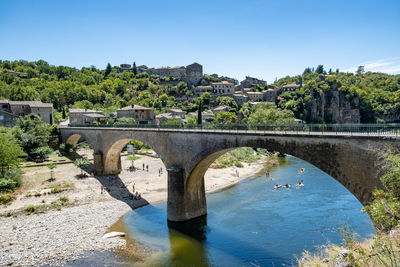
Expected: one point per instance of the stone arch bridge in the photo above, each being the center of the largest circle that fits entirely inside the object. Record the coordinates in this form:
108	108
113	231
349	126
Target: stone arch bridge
350	158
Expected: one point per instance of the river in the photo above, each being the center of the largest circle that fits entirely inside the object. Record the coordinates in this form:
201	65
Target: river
250	224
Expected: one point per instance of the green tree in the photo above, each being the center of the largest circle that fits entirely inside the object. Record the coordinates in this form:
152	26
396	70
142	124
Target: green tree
134	68
225	117
360	70
132	157
41	152
31	132
320	69
51	167
307	71
64	114
163	99
199	113
227	101
206	98
172	121
125	120
108	70
191	120
9	153
181	87
82	163
266	113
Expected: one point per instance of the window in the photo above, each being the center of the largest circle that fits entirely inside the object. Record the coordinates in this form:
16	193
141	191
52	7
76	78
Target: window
1	118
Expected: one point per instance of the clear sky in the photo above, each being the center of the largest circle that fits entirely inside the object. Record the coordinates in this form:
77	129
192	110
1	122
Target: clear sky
264	39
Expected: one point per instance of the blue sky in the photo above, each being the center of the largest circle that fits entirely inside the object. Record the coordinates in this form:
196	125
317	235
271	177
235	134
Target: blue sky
265	39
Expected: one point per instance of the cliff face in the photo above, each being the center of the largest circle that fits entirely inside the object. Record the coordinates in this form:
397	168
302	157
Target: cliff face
334	107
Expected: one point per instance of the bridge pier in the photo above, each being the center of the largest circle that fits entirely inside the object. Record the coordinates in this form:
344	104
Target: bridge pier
184	204
98	165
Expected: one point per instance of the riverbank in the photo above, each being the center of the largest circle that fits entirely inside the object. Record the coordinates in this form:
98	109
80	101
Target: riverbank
57	236
381	250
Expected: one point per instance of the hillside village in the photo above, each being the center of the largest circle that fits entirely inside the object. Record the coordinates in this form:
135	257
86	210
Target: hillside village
171	95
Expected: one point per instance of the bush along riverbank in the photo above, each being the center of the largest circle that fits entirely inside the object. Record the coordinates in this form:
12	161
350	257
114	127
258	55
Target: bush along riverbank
238	156
384	248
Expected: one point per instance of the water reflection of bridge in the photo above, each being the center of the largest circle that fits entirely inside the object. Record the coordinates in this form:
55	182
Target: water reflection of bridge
349	153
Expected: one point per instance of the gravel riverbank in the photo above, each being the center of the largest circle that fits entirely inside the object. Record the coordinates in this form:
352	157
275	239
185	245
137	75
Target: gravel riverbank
56	237
59	236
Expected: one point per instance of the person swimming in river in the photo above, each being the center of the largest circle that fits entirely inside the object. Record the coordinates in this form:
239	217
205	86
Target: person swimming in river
302	170
300	183
277	186
287	185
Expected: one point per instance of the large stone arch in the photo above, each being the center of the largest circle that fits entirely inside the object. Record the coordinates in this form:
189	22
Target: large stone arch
353	163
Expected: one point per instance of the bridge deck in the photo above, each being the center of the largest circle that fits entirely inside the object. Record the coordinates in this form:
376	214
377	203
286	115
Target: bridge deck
378	134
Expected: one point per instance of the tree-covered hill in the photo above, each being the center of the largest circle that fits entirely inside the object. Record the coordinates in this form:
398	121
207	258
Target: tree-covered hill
85	88
377	94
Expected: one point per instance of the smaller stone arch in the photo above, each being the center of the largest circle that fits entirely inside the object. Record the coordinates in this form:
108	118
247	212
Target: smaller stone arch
112	157
73	139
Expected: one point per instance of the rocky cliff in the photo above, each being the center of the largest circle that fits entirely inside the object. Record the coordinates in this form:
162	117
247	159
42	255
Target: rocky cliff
333	106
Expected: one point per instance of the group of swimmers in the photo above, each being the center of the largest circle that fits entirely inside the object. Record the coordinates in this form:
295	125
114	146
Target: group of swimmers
287	186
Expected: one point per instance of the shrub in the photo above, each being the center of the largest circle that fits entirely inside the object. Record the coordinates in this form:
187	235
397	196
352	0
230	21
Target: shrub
4	199
42	151
384	210
30	209
82	163
64	200
391	178
7	185
10	179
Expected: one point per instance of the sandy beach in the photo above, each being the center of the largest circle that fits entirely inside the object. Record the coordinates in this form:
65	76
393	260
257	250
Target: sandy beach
57	236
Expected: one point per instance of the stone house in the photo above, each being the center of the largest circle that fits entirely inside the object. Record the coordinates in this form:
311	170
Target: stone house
291	87
7	119
250	81
255	96
141	114
223	88
194	73
176	112
22	108
221	108
161	118
79	116
199	90
240	98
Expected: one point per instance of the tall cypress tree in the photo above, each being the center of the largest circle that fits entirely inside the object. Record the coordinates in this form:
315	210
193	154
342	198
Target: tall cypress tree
134	68
199	118
108	70
64	115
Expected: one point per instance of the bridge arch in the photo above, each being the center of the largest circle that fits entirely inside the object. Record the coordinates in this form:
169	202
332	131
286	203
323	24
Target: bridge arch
195	179
73	140
112	156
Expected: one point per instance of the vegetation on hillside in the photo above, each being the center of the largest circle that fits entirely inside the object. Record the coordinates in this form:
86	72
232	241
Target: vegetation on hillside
378	93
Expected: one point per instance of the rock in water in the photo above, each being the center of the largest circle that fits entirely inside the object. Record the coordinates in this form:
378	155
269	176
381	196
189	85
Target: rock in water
113	234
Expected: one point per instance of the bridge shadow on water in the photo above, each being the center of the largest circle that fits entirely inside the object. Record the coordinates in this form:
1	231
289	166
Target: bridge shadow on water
199	242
